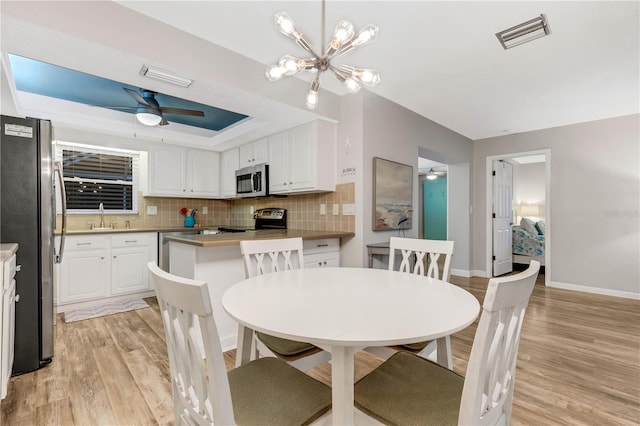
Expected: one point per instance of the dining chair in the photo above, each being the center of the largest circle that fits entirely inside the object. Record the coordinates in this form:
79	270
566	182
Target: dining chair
266	256
263	391
407	389
424	257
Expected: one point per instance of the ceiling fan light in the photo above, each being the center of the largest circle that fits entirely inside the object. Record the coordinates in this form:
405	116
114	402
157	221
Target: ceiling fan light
432	175
149	118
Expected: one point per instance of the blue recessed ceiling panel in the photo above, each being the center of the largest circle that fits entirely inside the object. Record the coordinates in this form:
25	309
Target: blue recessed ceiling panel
58	82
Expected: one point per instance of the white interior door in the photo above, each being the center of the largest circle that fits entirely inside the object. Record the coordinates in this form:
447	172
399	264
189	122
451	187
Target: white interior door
502	217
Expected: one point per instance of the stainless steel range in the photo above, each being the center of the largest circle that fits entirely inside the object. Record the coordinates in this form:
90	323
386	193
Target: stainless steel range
271	218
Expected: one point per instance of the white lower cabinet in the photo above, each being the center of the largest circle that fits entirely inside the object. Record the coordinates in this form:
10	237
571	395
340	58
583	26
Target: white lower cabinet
321	253
100	266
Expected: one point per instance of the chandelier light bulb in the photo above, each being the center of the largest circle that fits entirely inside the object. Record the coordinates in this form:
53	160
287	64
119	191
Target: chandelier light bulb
342	34
285	25
352	85
312	96
342	42
366	35
274	72
289	64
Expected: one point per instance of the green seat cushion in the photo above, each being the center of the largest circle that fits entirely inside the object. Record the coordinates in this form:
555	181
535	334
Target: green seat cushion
268	391
284	346
410	390
415	346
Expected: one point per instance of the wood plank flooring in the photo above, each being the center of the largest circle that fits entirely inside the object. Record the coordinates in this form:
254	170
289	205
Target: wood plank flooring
578	364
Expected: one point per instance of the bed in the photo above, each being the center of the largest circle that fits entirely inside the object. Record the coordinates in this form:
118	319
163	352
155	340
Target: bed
528	241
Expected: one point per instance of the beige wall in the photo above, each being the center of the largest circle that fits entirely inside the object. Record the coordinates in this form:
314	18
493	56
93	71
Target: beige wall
594	222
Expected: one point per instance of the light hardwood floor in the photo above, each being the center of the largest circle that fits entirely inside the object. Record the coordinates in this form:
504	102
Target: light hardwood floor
578	364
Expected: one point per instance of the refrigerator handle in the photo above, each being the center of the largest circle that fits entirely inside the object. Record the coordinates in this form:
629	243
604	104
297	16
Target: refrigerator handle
63	198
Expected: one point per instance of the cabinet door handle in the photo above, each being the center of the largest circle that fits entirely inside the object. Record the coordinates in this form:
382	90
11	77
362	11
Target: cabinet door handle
115	257
83	244
323	245
101	257
131	241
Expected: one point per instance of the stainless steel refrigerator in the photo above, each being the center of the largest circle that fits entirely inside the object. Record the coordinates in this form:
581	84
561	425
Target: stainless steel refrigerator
27	217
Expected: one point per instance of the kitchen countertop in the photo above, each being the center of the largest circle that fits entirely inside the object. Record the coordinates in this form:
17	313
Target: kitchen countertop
7	250
234	238
123	230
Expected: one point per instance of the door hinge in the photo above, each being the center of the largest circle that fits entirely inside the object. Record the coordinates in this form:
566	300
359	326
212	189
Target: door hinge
493	215
494	258
493	173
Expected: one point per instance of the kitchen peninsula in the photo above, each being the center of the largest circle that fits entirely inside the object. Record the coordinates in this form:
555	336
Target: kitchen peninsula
216	259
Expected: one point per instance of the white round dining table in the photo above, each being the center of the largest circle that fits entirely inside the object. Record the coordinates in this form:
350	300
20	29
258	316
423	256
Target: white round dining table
344	310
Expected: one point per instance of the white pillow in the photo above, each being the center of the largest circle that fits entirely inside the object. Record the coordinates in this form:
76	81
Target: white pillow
528	225
541	227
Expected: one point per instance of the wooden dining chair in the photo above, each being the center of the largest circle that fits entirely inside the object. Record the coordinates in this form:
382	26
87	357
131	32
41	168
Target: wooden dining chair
264	391
407	389
266	256
424	257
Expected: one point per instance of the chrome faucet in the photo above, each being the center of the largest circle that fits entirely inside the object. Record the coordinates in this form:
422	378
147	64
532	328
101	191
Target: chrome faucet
102	225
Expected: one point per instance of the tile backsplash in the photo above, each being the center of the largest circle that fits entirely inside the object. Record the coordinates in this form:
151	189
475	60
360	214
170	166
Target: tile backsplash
303	212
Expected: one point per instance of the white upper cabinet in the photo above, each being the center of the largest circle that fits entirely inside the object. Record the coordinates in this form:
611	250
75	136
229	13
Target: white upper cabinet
229	163
254	153
303	159
177	172
203	174
167	172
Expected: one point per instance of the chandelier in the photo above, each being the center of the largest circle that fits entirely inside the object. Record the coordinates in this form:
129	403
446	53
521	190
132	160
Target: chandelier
343	41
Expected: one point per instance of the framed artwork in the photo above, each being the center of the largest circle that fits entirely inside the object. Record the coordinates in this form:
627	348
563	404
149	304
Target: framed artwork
392	195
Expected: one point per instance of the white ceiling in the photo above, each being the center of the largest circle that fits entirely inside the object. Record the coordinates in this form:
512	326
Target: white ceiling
439	59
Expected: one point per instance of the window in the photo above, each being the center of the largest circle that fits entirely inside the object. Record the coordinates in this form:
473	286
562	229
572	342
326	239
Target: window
94	175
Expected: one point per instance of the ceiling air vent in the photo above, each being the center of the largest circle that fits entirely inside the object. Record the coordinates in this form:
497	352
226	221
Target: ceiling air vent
166	76
522	33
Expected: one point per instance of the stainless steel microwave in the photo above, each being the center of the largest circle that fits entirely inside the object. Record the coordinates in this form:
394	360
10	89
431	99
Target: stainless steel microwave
253	181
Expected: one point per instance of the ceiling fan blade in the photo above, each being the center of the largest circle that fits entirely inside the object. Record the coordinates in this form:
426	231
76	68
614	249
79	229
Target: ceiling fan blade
136	96
181	111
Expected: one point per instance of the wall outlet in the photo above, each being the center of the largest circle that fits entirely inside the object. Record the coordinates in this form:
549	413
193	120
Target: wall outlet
336	209
205	210
323	209
152	210
349	209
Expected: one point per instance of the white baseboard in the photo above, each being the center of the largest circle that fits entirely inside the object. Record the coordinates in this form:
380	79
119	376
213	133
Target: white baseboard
461	273
595	290
479	273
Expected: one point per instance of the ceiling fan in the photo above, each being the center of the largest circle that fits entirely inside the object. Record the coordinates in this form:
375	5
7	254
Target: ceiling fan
433	174
149	112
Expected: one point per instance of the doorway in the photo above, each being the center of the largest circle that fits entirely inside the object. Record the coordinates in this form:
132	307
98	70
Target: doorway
433	199
527	201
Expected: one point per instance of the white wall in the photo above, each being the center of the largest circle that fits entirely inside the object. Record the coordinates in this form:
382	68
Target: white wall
397	134
528	183
595	199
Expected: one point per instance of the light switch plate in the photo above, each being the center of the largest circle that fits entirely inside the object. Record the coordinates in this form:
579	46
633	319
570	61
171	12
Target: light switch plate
349	209
323	209
152	210
336	209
